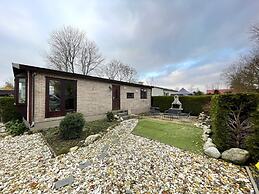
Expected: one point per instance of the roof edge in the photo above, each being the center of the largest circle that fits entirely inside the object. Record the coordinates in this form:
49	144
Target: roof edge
76	75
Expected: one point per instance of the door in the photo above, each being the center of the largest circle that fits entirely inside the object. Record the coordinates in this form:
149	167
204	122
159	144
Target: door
115	97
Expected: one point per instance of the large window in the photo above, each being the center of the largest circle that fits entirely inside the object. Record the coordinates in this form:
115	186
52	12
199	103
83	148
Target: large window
21	90
60	97
143	93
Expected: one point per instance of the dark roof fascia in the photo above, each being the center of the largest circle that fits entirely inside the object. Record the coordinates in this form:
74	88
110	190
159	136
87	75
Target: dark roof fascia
73	75
165	88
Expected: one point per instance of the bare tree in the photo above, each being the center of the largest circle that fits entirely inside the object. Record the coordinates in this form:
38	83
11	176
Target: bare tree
243	75
89	58
70	50
239	125
65	45
126	73
118	71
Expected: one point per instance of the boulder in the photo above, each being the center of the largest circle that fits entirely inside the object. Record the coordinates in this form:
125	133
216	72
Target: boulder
212	152
92	138
205	137
206	130
236	155
208	144
73	149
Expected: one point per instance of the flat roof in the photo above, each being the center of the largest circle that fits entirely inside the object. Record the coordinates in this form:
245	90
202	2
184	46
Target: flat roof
19	66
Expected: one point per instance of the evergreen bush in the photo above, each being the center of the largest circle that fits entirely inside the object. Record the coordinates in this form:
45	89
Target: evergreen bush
72	126
110	116
233	120
8	110
15	127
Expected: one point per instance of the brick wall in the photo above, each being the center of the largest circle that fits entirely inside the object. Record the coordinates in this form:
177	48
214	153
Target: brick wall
94	99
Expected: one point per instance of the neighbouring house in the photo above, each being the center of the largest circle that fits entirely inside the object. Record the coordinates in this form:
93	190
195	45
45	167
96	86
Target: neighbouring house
44	96
159	91
6	92
220	91
183	92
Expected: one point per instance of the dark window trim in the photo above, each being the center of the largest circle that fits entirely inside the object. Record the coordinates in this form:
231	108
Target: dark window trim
17	90
130	97
62	111
143	94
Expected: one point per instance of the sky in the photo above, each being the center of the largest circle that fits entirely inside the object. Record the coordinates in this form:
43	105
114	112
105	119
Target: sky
172	44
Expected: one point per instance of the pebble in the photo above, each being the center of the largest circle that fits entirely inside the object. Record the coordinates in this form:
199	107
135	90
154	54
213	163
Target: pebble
131	164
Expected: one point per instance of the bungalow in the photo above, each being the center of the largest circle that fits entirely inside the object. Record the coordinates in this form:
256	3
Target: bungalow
44	96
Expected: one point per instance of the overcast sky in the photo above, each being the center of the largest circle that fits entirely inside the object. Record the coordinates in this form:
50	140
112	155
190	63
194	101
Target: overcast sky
178	43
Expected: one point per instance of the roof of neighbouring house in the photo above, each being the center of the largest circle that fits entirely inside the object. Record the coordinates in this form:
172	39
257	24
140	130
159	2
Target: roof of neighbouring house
184	92
20	67
6	92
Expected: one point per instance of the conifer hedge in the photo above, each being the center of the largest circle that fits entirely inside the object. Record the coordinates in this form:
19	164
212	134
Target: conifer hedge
192	104
235	122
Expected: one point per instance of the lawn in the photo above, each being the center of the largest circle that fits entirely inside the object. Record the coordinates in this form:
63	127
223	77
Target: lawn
61	146
182	135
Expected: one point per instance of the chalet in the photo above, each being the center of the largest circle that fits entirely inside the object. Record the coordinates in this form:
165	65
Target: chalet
44	96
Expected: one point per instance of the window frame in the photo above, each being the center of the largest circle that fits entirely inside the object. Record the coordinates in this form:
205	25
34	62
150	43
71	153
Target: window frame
17	79
143	93
130	97
63	111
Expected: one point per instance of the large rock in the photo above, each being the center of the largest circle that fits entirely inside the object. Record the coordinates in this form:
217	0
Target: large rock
212	152
92	138
236	155
208	144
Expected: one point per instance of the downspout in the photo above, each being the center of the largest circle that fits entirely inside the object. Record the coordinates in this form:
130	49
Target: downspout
33	99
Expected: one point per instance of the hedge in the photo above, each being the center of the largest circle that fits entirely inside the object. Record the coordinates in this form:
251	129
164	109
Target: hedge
193	104
226	108
8	110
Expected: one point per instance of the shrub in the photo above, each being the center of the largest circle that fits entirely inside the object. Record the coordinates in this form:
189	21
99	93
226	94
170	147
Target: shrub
193	104
8	110
231	116
110	116
72	125
252	141
15	127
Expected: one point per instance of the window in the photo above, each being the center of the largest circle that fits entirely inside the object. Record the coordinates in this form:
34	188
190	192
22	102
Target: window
21	90
54	95
130	95
143	93
60	97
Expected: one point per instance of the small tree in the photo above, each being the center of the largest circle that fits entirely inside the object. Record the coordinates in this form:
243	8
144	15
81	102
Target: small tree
239	125
7	86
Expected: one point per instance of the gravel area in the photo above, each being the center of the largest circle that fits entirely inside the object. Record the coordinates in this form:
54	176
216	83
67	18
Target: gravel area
119	162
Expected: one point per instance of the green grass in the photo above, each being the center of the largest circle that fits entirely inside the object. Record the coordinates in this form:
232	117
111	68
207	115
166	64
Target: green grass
61	146
182	135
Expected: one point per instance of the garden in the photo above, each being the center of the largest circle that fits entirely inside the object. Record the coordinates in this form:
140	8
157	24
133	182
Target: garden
227	129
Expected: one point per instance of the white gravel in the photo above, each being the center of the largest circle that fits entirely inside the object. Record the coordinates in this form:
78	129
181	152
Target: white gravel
119	162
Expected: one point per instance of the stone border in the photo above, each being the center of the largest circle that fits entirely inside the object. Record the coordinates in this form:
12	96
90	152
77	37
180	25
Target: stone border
53	154
252	180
